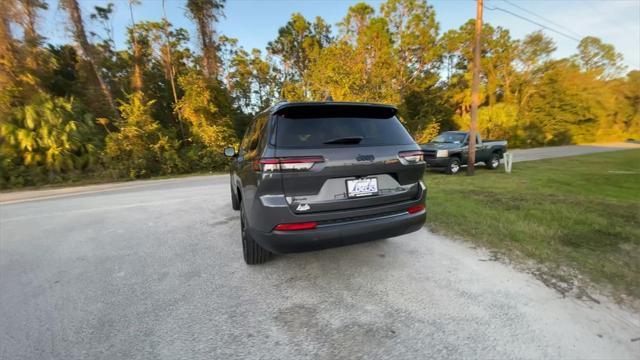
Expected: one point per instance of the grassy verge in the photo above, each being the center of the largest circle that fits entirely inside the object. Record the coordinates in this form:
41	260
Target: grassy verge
577	214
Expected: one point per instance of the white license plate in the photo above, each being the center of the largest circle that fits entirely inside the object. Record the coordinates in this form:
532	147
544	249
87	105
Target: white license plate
362	187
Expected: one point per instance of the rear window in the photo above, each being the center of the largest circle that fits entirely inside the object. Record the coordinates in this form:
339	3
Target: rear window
319	132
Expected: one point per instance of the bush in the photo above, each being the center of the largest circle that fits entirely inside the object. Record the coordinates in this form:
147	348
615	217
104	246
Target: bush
140	149
46	140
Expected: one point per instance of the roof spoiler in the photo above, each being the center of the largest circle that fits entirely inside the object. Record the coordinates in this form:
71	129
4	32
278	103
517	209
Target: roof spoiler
334	109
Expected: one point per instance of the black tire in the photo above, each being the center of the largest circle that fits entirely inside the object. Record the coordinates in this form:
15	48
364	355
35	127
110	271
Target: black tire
493	162
454	166
253	253
235	202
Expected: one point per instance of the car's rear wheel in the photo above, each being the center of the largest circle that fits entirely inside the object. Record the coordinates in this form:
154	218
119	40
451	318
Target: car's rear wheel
493	162
454	166
253	253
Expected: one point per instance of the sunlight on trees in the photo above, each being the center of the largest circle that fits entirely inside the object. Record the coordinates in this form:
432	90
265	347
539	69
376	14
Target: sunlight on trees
89	110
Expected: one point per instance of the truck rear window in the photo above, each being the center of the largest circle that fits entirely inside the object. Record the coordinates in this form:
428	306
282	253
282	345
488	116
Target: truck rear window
340	131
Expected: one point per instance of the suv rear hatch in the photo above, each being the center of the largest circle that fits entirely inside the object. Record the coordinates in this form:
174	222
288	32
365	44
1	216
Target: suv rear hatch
340	156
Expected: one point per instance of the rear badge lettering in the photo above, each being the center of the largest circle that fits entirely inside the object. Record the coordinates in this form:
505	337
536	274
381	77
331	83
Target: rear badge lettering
365	157
303	207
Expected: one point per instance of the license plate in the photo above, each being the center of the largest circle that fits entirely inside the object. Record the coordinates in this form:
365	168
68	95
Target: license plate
362	187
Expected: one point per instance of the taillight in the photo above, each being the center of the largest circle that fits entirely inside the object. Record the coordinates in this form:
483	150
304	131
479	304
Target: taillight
411	157
415	209
303	163
269	165
296	226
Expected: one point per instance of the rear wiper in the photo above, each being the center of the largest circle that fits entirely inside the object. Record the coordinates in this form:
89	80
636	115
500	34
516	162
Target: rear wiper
345	140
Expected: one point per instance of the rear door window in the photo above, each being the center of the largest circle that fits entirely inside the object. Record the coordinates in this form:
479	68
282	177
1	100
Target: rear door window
244	146
254	136
321	132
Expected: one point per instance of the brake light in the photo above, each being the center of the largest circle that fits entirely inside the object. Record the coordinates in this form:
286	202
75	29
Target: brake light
411	156
302	163
296	226
415	209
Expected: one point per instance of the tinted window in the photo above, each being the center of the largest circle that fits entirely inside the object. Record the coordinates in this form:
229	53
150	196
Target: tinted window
254	135
312	132
258	131
244	147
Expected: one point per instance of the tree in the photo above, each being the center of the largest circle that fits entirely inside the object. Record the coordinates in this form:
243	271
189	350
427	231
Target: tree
357	18
103	16
240	79
48	137
136	47
85	48
8	58
602	59
252	80
265	77
167	58
414	31
298	44
32	60
29	19
140	148
359	65
205	108
206	13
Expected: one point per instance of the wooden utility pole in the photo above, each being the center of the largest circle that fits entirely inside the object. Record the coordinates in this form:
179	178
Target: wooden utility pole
475	89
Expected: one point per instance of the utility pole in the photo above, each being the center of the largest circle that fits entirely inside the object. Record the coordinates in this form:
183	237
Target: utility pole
475	89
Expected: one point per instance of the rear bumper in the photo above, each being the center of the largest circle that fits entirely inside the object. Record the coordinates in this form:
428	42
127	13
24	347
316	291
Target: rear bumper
333	235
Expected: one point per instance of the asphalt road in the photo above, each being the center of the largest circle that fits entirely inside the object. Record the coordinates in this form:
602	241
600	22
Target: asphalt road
155	271
568	150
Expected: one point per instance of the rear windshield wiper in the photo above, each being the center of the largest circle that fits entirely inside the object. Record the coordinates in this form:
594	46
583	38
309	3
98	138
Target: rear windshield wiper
345	140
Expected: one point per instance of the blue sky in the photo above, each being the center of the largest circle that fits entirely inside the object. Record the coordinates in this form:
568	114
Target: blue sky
256	22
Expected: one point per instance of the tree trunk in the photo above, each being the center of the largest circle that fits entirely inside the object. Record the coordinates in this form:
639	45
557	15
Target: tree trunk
170	69
508	95
30	34
31	38
136	79
208	48
8	62
86	50
205	13
7	49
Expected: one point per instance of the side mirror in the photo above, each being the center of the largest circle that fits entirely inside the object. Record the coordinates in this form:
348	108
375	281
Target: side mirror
229	152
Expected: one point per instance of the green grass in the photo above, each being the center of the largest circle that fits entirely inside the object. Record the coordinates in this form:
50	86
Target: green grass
579	213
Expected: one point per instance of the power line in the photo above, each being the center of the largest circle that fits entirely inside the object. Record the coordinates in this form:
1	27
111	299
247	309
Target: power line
533	22
543	18
496	8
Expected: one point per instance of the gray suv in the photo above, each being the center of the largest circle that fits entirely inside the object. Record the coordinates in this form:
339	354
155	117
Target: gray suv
313	175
